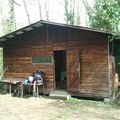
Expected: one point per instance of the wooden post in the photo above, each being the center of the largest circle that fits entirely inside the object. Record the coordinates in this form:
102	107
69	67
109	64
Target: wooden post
22	88
79	70
29	88
54	82
9	88
109	70
43	89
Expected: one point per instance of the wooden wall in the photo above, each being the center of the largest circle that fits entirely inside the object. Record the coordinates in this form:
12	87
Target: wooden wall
93	56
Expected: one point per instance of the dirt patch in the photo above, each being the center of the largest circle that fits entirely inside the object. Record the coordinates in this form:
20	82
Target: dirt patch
13	108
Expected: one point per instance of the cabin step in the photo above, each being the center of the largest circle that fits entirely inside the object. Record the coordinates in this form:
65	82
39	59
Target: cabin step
59	94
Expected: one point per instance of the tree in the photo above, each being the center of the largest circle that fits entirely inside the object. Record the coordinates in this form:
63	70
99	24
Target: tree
78	13
69	12
40	13
46	10
0	17
9	22
105	14
72	11
28	16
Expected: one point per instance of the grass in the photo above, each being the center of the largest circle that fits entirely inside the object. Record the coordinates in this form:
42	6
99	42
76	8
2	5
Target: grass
98	109
91	103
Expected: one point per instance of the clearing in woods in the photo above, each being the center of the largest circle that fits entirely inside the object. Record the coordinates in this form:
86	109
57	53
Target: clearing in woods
14	108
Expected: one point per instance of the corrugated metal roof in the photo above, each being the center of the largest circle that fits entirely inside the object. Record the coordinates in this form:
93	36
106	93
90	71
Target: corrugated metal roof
41	23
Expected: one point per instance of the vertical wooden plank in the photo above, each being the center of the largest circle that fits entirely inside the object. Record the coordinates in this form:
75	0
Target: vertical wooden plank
109	76
54	84
47	33
73	67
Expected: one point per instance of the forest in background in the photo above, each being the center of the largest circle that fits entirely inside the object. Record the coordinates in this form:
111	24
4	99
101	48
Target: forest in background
101	14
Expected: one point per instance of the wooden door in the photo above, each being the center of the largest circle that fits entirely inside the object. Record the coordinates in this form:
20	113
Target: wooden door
73	70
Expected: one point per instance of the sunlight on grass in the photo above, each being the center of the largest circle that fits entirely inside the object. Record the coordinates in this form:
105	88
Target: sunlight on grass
60	117
92	103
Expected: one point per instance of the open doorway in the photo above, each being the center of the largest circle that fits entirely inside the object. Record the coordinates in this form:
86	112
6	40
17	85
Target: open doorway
60	69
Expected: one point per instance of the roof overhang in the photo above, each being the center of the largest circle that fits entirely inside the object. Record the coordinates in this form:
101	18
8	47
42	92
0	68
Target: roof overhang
41	23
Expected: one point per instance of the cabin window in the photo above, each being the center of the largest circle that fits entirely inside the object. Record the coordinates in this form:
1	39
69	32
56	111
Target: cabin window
42	59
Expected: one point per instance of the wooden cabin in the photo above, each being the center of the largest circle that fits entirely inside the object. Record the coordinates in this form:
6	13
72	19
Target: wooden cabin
73	58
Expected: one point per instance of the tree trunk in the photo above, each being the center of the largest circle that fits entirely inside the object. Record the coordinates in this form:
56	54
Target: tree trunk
46	11
28	17
40	13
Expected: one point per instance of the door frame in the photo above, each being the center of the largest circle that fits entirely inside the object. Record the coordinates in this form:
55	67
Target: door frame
54	82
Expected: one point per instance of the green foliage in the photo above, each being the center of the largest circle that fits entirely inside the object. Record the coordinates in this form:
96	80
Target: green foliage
9	23
104	15
69	12
72	12
73	100
8	26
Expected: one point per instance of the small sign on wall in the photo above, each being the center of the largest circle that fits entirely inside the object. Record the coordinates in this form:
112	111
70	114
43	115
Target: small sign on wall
42	59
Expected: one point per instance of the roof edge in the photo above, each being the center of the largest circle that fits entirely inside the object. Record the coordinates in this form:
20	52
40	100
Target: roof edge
77	27
42	22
